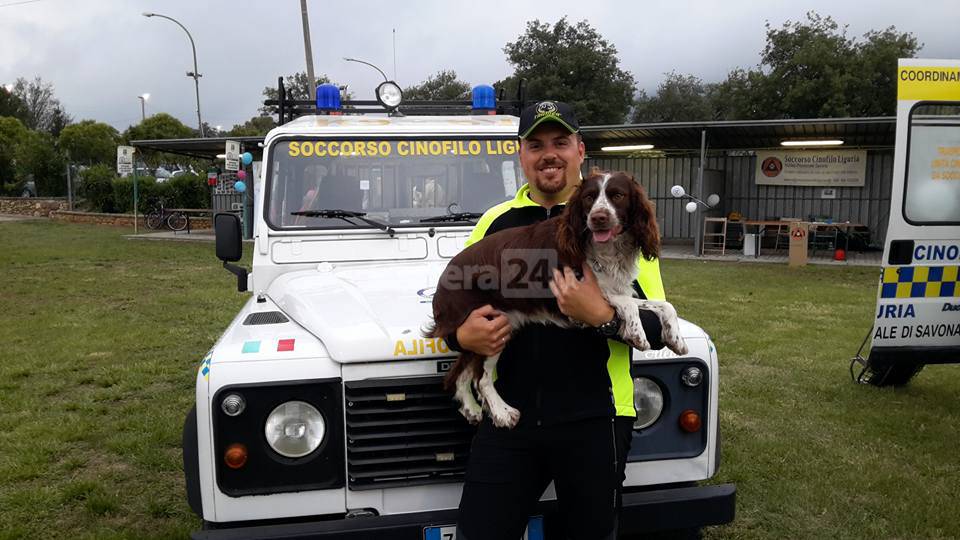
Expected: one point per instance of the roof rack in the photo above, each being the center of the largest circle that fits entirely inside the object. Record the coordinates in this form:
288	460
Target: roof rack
289	109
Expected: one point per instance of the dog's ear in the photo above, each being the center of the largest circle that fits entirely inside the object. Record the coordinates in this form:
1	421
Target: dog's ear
643	224
571	232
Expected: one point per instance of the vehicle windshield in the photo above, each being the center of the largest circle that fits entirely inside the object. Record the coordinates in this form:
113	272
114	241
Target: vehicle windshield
932	190
398	182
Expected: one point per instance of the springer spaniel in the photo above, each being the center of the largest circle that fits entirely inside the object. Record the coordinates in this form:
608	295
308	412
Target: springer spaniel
608	223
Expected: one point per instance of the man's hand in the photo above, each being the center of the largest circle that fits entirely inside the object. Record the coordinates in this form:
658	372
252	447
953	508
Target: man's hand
486	331
580	300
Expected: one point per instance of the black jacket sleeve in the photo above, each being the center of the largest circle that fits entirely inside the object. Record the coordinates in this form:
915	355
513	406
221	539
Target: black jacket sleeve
653	329
452	342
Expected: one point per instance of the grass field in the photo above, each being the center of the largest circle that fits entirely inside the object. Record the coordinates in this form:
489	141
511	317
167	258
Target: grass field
101	338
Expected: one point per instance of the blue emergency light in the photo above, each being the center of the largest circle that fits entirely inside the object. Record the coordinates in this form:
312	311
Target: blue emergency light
484	98
328	97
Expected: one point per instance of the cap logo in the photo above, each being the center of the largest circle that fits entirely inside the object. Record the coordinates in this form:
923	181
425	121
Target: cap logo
547	107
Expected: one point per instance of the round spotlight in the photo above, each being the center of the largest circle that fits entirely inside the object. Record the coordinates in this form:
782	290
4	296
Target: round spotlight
389	94
295	429
692	376
648	400
233	405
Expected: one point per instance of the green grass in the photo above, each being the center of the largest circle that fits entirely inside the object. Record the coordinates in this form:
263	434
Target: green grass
101	338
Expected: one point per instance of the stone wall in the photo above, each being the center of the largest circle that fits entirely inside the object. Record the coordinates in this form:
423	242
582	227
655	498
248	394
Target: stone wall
119	220
29	206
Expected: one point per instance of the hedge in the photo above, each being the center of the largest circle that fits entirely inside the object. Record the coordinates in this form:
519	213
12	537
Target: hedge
104	192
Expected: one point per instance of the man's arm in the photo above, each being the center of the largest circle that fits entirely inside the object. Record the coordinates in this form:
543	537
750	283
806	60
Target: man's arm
583	301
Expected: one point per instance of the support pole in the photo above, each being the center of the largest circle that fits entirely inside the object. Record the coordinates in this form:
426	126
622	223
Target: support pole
697	216
306	46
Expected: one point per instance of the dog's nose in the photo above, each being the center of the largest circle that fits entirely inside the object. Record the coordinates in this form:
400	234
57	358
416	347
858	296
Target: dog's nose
599	219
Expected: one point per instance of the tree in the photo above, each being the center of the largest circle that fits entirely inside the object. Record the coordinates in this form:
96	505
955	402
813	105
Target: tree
573	64
680	98
11	105
42	110
813	70
90	142
158	126
37	158
297	87
443	86
256	126
12	133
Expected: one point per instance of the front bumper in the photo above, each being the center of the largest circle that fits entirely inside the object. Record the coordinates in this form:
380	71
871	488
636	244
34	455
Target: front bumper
646	511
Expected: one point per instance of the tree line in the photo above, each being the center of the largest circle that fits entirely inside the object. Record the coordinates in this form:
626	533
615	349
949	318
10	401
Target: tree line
807	69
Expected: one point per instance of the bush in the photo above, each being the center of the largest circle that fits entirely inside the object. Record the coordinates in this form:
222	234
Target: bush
105	192
189	191
96	186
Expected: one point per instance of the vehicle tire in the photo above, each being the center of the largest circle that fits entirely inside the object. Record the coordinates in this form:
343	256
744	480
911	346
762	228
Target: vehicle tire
191	462
897	374
692	533
177	221
154	220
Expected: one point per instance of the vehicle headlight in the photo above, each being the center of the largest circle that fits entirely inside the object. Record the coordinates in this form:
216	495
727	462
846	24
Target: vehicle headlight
294	429
389	94
648	400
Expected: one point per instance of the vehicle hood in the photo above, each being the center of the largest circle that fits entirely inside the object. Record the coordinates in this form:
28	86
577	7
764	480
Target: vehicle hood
364	313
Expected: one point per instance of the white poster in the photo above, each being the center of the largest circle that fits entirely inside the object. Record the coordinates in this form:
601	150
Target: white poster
834	168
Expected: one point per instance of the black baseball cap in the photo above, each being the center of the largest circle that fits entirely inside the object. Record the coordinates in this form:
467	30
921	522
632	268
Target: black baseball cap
547	111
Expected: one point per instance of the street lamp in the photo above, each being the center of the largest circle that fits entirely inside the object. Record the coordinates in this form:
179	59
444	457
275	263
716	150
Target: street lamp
143	106
195	73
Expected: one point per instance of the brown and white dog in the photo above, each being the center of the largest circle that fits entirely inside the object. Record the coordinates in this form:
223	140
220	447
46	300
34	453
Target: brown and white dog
608	223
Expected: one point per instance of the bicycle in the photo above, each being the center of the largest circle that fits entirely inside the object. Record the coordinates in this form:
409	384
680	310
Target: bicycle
160	216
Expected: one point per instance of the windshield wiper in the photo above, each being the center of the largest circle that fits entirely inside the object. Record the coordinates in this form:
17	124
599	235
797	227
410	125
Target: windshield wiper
344	214
459	216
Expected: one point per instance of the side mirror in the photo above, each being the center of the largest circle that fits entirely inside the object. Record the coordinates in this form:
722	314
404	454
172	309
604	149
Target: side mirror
226	227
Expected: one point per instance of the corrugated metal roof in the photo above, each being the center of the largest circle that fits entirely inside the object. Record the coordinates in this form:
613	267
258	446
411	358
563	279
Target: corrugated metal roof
877	132
744	134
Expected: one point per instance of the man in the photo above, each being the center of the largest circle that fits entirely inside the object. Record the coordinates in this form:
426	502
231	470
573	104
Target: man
560	379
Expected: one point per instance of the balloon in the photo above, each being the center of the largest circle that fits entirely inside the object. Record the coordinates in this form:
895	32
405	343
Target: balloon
691	207
239	186
242	175
247	158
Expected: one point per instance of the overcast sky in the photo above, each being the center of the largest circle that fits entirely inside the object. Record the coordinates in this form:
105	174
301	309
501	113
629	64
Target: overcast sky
101	54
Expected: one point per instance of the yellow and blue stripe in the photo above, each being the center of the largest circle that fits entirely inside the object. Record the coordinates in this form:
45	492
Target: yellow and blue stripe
920	282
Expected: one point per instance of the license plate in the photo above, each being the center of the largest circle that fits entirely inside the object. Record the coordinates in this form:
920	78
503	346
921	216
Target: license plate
534	531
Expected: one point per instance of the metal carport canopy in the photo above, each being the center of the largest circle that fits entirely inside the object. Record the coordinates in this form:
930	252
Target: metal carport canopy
875	132
206	148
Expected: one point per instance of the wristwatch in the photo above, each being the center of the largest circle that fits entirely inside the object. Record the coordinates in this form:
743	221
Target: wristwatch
610	328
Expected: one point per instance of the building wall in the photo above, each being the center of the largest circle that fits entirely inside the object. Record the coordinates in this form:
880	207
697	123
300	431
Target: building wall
868	205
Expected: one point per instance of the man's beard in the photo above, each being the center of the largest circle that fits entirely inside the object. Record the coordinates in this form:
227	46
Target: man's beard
555	185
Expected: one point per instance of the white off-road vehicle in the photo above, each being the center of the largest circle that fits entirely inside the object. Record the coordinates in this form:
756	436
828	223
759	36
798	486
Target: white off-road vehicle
320	410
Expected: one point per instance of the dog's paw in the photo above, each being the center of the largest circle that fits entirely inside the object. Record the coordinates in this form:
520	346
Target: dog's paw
473	414
504	416
633	334
639	343
673	340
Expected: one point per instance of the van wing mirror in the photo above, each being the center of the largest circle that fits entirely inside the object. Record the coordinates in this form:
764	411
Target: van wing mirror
226	227
229	242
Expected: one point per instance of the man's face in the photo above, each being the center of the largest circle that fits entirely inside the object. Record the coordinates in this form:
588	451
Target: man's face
551	157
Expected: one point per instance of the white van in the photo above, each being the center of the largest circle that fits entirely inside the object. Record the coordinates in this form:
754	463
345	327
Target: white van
320	410
918	299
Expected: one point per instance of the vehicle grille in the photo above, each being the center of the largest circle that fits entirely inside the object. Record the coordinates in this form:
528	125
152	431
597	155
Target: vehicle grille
404	432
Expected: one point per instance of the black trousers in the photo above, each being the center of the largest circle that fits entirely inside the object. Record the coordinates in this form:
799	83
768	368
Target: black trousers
509	470
623	432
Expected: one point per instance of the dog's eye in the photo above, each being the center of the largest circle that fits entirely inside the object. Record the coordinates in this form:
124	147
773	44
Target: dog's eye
617	196
588	198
